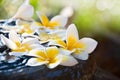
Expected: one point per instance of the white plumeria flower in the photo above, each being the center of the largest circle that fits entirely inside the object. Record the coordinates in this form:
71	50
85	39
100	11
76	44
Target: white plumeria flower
17	46
25	11
57	21
80	48
26	28
46	37
67	11
58	34
51	57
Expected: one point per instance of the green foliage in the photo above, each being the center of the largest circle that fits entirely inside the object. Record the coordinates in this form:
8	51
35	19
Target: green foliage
89	18
2	10
1	2
36	5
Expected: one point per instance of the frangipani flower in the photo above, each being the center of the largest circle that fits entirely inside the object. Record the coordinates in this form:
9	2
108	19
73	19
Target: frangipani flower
51	57
57	21
26	29
67	11
58	34
14	43
25	11
80	48
45	37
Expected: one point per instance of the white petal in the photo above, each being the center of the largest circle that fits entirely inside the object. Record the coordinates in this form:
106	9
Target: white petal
29	35
68	61
42	42
13	36
60	19
34	62
32	53
54	43
67	11
36	46
34	26
25	11
9	43
30	41
53	65
43	18
90	44
82	56
65	52
72	30
60	33
17	54
49	30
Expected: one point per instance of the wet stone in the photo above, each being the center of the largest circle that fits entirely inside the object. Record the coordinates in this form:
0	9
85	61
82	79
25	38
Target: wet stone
17	71
20	62
36	34
6	22
3	48
5	34
2	22
13	23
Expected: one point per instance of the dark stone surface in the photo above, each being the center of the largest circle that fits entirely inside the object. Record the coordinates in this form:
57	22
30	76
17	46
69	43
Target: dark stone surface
3	48
101	74
12	23
107	55
83	71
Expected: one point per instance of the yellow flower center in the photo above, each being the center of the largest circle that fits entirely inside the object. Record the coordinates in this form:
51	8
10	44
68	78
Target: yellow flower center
71	44
22	47
53	24
47	23
46	37
26	29
49	55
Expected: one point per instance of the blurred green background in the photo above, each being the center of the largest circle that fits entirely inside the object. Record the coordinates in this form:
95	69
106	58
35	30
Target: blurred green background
90	16
99	19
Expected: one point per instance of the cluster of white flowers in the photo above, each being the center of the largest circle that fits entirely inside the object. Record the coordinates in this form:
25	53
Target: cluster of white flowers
47	41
